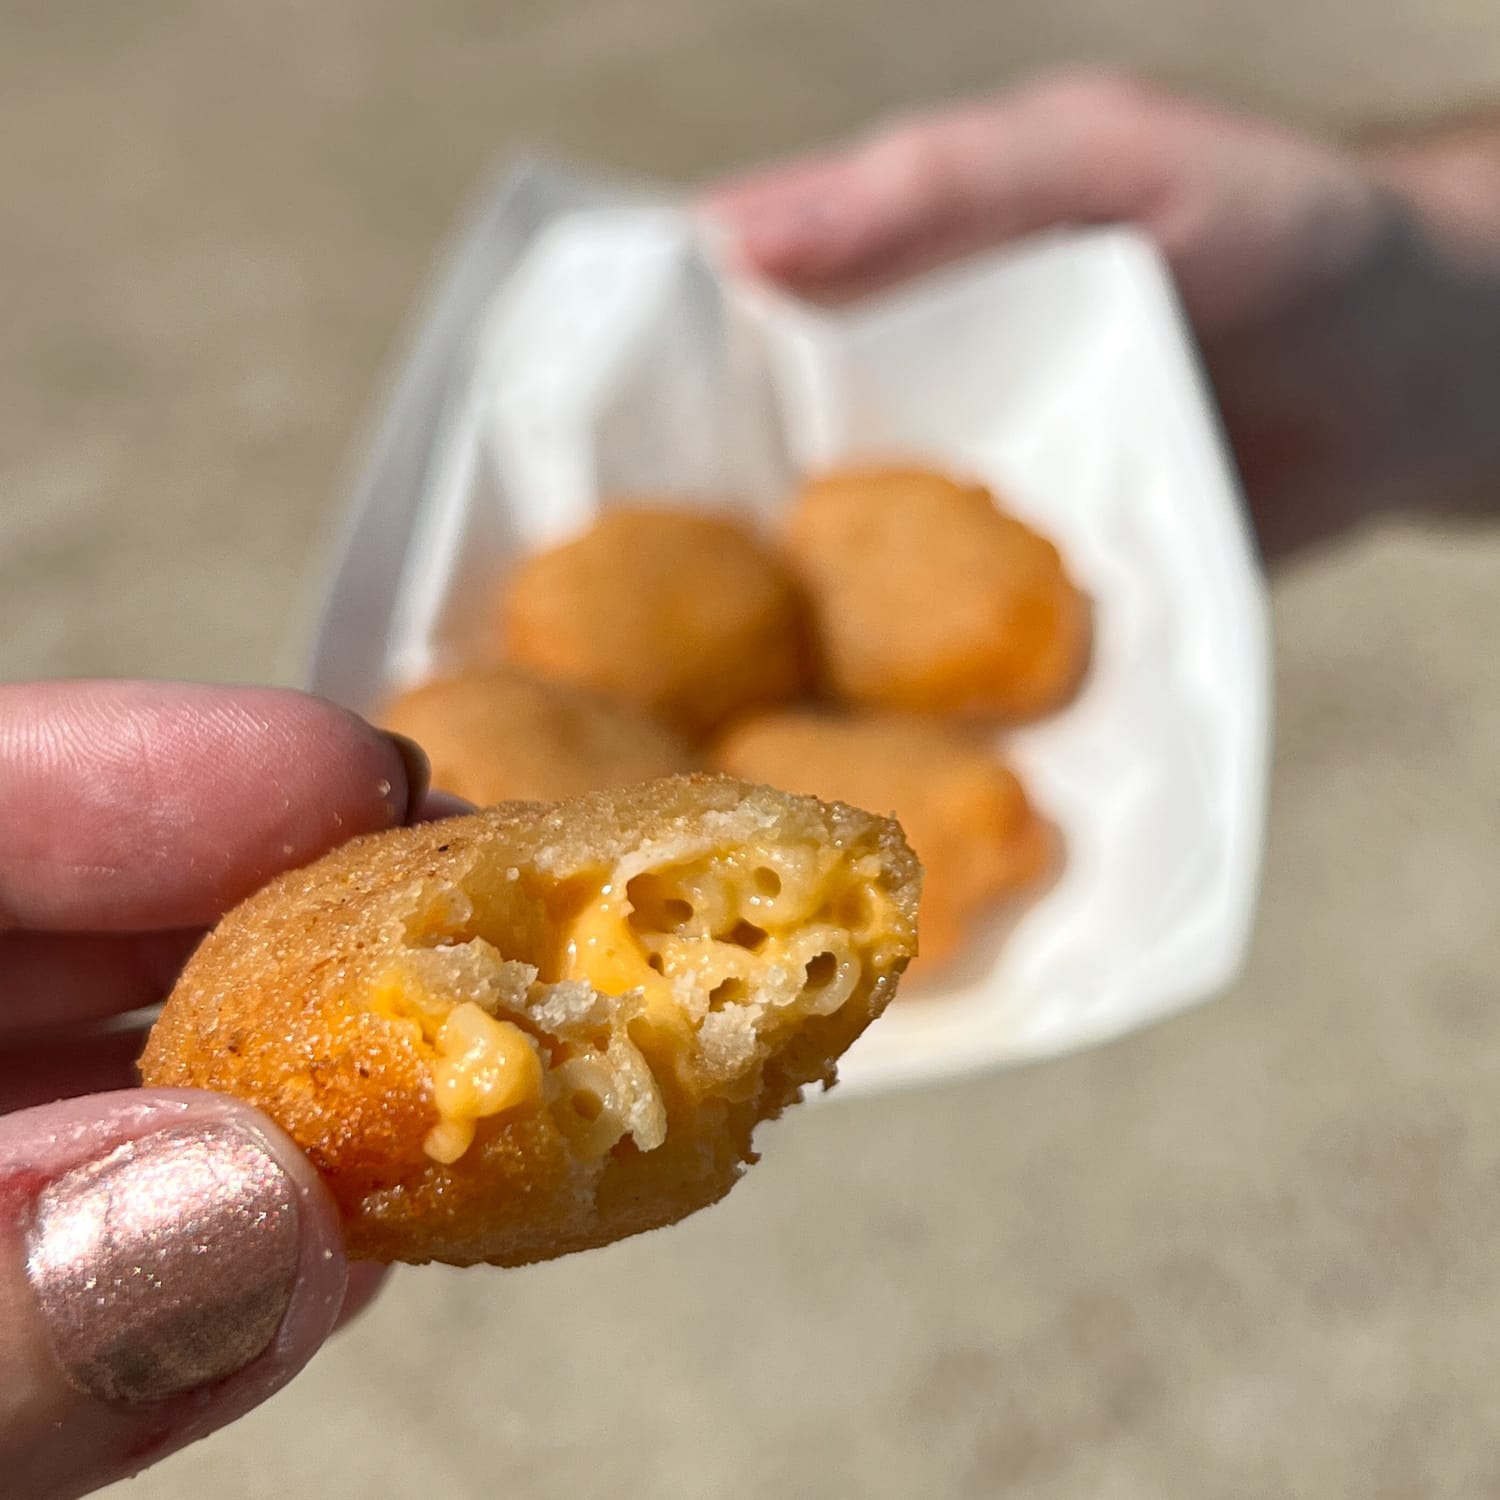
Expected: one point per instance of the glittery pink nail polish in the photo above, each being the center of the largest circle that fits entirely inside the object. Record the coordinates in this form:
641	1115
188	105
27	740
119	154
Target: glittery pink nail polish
167	1264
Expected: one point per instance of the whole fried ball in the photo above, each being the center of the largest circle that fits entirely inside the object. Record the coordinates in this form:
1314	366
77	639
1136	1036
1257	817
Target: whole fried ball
538	1029
927	597
683	613
980	841
503	735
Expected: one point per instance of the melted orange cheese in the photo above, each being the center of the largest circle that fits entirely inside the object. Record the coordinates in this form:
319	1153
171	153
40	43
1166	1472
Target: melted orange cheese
722	923
484	1065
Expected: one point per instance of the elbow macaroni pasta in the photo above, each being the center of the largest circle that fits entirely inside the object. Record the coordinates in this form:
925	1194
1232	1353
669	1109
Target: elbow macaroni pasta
695	938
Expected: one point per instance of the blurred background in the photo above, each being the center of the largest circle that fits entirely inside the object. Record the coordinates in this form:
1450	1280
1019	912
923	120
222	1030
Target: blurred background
1255	1252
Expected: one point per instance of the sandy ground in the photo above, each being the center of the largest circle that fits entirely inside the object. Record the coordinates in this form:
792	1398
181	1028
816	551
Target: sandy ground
1255	1252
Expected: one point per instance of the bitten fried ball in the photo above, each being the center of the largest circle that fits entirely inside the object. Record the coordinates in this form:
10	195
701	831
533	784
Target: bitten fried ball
538	1029
927	597
505	736
968	818
680	612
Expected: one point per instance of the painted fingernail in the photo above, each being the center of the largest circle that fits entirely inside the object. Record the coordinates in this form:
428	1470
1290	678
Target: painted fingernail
418	770
167	1264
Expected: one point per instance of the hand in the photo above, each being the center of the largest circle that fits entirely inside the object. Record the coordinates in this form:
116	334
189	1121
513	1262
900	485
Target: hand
1350	325
168	1259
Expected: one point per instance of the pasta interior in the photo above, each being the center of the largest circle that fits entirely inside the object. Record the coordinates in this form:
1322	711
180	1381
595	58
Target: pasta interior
718	952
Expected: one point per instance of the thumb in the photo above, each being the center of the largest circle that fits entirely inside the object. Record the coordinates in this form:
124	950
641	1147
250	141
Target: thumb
168	1259
1082	145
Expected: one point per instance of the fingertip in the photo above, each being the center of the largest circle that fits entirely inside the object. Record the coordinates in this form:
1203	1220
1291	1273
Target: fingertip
168	1259
791	227
416	772
137	806
39	1144
366	1278
783	242
366	778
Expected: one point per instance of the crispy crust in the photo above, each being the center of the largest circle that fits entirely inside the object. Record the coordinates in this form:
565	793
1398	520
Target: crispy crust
682	613
273	1009
928	597
502	735
980	840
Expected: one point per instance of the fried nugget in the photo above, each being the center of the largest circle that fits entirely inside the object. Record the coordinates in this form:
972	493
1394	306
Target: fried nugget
927	597
503	735
968	818
508	1036
680	612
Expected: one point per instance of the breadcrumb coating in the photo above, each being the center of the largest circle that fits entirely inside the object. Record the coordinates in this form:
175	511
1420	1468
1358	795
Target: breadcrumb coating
928	597
980	840
537	1029
681	612
502	735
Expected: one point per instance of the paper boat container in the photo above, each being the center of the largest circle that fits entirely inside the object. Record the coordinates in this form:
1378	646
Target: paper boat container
584	342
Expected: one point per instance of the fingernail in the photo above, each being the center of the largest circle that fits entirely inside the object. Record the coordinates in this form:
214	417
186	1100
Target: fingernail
167	1264
440	805
418	770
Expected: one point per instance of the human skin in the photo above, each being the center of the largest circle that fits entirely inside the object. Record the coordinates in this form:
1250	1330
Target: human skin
136	814
1346	298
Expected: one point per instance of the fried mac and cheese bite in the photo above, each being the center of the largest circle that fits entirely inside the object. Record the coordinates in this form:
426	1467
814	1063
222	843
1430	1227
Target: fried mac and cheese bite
927	597
538	1029
969	820
681	612
502	735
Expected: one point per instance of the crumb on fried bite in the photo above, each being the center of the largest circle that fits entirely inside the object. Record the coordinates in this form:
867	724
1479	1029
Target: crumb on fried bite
508	1036
981	842
927	597
501	734
681	612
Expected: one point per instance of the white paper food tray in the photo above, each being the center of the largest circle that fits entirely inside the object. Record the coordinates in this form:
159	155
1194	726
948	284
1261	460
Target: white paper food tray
584	342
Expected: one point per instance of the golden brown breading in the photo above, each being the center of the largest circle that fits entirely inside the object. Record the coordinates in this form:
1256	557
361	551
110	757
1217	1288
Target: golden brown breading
681	612
927	597
509	1036
503	735
967	816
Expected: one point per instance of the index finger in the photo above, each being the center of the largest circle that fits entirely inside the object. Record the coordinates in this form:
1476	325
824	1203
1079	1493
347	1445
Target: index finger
139	806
